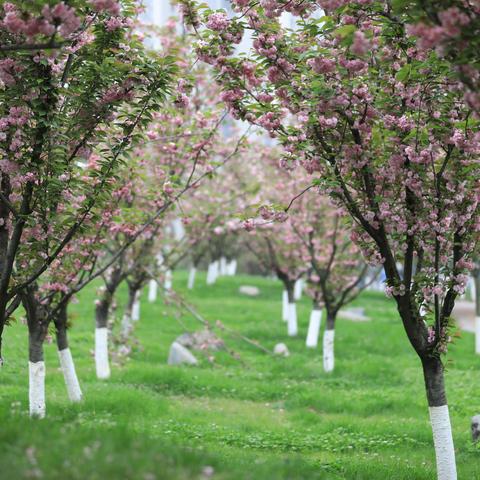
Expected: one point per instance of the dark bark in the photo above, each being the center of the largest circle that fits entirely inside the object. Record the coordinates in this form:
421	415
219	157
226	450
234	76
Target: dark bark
60	321
316	304
102	310
132	294
290	287
37	321
434	381
331	317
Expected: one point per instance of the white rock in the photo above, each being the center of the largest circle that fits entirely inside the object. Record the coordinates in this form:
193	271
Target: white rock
281	349
180	355
476	428
249	290
354	314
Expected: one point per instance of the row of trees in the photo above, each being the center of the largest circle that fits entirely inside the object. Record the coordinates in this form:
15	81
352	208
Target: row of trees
390	132
100	138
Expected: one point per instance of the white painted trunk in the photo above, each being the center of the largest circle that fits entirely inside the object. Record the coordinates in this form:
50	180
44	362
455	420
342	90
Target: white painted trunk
136	308
152	290
328	350
191	278
209	274
284	305
178	229
443	442
168	280
36	389
223	266
126	324
215	270
314	328
212	273
292	320
70	375
477	335
232	268
297	290
101	353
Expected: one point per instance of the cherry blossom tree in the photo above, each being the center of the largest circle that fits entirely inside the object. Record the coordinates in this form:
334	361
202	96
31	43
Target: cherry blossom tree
273	239
74	80
337	270
383	122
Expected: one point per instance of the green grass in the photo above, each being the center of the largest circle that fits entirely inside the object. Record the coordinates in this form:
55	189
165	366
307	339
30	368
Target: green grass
262	418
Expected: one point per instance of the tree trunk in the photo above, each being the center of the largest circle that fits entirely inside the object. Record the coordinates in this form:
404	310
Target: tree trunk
314	326
435	389
328	343
102	310
191	277
292	326
285	305
136	306
214	272
65	356
37	331
476	280
211	277
152	290
232	268
439	418
223	266
130	313
1	336
168	280
298	289
417	333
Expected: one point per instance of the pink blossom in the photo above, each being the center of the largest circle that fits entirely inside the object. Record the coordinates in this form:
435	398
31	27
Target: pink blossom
109	6
321	65
361	44
218	21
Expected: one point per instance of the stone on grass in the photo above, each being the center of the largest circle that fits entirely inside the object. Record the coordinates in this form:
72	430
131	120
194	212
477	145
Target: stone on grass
208	471
201	340
249	290
476	428
179	355
281	349
356	314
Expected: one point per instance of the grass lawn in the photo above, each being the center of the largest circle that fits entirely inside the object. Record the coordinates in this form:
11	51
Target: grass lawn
265	418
